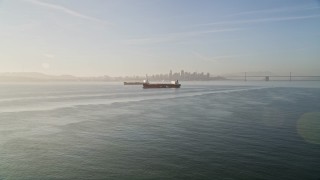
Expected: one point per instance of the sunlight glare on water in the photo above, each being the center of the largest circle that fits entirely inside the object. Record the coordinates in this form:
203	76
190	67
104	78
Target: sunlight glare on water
309	127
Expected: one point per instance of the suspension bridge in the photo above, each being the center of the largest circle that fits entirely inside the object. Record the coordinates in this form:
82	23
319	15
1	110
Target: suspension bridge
290	77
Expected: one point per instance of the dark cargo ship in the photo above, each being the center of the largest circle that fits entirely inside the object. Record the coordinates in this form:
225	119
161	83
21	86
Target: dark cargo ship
132	83
173	84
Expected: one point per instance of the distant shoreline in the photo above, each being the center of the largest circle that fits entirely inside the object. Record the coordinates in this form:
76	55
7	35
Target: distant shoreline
33	77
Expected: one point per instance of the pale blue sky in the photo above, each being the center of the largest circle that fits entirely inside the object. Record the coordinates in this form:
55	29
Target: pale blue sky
137	37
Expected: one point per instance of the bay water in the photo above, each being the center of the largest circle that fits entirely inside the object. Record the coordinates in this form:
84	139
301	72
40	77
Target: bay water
204	130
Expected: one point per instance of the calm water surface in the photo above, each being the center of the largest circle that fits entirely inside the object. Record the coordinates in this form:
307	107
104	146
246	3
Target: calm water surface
260	130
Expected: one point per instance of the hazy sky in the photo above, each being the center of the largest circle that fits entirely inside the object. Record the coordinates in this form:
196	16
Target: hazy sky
137	37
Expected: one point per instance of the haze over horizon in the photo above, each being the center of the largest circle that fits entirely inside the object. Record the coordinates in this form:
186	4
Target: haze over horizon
120	38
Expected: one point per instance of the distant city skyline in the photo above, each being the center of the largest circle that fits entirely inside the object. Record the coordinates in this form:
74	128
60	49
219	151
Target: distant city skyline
138	37
181	76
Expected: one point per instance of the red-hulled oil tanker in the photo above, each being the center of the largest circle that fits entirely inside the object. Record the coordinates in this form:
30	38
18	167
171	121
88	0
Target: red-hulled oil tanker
173	84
